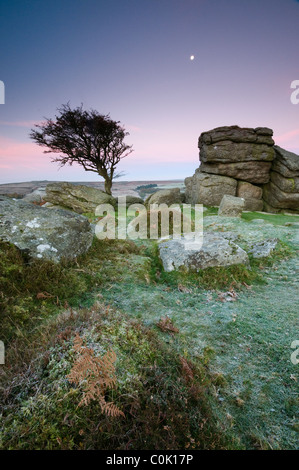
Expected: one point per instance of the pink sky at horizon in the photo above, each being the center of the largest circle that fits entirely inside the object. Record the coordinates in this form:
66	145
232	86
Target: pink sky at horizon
31	163
136	67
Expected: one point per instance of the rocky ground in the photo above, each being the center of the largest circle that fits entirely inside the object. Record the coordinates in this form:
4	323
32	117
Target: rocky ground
247	333
204	356
119	187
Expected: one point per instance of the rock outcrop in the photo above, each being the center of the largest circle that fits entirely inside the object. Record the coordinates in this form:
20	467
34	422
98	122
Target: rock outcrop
241	153
265	175
78	198
44	233
282	192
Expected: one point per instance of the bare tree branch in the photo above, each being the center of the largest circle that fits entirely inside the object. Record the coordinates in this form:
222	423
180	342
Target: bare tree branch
88	138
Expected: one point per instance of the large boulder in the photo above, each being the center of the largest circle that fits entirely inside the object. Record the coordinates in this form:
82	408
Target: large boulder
165	196
252	196
249	191
241	153
43	233
209	190
79	198
231	206
215	251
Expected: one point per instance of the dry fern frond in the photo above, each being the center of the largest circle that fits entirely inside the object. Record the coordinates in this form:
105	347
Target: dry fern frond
95	375
165	324
44	295
186	369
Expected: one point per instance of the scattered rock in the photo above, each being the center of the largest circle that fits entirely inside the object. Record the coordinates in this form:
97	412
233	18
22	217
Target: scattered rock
36	196
231	206
43	233
215	251
78	198
258	221
132	200
165	196
263	249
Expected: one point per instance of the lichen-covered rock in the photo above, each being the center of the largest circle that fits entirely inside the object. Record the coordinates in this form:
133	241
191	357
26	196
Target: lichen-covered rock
209	190
165	196
263	249
288	185
231	206
44	233
215	251
78	198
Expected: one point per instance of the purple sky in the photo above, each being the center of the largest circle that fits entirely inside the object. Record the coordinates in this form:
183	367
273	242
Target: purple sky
131	58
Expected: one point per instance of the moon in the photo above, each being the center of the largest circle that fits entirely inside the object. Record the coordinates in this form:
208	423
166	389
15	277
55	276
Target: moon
192	57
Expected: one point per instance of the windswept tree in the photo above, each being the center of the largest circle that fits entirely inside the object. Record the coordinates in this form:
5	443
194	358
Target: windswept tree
88	138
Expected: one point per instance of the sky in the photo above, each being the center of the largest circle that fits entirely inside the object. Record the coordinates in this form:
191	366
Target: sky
131	59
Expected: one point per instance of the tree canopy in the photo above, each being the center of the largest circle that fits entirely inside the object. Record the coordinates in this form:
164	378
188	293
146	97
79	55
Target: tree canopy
88	138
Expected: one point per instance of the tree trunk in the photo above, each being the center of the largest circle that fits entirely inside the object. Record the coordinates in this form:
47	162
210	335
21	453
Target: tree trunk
108	186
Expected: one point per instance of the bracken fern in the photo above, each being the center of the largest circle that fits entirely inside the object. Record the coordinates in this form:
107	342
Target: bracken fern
95	375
